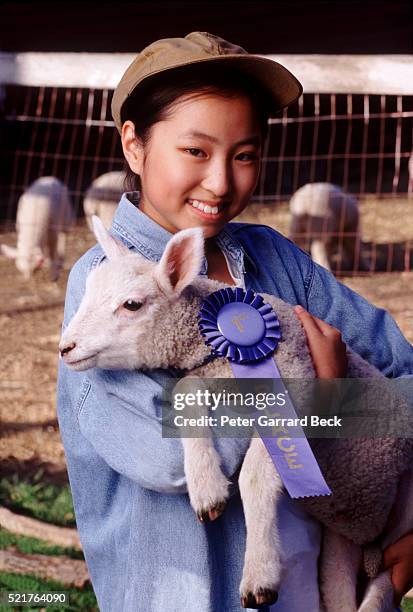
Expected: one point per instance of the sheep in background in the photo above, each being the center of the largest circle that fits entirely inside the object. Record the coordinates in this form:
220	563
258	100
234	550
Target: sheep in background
44	216
325	221
102	197
144	315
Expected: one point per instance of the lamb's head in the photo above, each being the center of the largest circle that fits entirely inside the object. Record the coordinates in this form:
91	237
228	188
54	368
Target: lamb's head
127	303
26	262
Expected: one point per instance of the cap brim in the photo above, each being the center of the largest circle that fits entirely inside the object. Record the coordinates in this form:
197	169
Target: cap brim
280	83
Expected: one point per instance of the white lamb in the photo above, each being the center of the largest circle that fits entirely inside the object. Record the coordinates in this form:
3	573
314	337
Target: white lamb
138	314
326	221
44	216
102	197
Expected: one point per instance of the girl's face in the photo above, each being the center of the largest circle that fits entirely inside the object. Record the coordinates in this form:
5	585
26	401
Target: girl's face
201	164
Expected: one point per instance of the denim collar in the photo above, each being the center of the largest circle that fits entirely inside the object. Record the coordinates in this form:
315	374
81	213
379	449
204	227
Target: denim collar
150	239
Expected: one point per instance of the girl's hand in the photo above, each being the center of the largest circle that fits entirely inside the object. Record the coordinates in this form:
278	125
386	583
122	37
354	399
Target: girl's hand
399	558
327	348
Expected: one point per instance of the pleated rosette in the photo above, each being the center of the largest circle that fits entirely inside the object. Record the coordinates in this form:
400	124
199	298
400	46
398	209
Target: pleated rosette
239	325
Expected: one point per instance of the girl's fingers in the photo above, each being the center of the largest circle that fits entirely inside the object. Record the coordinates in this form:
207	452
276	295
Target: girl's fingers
311	322
327	329
328	351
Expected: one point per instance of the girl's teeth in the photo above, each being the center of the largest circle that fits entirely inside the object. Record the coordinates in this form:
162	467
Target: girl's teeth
204	207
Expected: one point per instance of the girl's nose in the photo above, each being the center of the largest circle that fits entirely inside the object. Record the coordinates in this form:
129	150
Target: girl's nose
218	180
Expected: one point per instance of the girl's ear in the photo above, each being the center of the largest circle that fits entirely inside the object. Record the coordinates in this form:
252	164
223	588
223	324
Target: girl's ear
132	147
112	248
181	261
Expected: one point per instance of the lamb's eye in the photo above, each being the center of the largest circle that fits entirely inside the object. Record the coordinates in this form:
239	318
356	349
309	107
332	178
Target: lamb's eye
132	305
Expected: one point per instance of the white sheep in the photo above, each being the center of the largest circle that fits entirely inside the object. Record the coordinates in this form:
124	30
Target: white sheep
102	197
137	314
44	216
326	221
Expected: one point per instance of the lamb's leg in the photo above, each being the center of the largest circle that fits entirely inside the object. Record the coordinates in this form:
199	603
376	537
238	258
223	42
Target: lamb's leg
260	487
59	255
207	485
379	595
56	245
340	561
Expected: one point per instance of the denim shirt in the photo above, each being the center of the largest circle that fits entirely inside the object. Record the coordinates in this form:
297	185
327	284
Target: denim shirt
144	547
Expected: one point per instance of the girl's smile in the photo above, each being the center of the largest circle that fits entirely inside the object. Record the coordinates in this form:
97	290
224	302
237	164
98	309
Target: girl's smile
201	164
211	208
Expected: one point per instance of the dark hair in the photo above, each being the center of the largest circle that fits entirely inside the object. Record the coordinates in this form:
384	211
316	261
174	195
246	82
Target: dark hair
154	99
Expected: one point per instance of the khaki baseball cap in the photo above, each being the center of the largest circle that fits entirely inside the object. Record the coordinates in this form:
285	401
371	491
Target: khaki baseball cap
200	47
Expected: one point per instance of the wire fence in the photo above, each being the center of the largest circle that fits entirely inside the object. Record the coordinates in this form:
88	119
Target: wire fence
359	141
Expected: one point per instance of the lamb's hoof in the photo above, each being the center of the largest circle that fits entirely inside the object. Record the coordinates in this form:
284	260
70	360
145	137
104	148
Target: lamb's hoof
206	516
263	597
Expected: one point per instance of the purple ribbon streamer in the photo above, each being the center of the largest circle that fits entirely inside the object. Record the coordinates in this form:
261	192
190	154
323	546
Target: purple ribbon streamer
292	456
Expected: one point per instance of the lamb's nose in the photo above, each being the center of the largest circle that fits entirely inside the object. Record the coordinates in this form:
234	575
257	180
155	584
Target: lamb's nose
67	349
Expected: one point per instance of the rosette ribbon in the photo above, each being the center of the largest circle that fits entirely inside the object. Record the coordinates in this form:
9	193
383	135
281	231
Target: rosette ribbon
241	327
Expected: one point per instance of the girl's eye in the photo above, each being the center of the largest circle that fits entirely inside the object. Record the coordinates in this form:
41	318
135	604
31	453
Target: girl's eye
195	152
132	305
247	156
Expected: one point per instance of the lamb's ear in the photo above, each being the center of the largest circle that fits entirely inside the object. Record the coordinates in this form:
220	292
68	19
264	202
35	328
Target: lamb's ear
113	248
8	251
181	261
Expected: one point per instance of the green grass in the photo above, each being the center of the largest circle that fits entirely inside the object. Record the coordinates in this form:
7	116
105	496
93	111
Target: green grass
52	504
33	546
44	501
407	605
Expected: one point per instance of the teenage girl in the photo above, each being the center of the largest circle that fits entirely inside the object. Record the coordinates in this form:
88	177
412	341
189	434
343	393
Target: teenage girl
192	114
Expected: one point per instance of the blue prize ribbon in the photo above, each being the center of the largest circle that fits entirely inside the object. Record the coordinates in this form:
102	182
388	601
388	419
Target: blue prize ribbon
241	327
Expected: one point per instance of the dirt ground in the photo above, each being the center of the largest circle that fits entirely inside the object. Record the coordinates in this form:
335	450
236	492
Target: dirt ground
31	315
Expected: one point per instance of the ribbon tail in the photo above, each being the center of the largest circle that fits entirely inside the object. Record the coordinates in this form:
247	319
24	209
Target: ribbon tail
290	451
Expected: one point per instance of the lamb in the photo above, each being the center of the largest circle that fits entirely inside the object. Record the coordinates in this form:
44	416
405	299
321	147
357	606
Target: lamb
326	220
44	216
136	314
102	197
